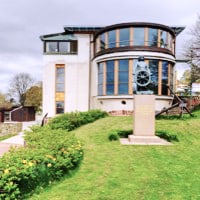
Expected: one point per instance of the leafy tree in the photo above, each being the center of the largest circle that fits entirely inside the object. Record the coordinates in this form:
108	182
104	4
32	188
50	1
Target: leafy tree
34	97
4	103
186	77
19	85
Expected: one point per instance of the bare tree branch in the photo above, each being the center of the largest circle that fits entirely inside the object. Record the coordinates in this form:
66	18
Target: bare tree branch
19	85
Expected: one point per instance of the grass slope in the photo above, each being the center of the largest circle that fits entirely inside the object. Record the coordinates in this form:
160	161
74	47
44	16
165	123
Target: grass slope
111	171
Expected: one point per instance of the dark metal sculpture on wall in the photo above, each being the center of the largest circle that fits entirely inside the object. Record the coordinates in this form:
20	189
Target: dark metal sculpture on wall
142	77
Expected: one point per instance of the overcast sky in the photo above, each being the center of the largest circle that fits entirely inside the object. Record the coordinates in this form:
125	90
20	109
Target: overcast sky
23	21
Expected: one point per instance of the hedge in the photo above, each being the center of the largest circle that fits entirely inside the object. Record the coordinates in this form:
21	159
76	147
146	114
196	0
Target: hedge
70	121
50	152
49	155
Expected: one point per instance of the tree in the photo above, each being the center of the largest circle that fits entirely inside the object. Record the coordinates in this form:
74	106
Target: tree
192	52
34	97
186	77
19	85
4	103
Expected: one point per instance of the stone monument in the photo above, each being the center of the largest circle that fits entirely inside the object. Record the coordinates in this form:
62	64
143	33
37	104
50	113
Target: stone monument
144	109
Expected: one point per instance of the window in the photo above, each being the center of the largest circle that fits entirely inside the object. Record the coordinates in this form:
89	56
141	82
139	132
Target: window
110	77
100	79
59	107
60	88
51	47
69	47
123	76
169	46
153	66
138	39
124	37
64	47
111	39
163	39
117	77
60	79
102	41
152	37
164	77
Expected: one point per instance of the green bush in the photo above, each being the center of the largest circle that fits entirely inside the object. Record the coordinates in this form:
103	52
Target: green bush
113	136
70	121
116	134
49	155
169	137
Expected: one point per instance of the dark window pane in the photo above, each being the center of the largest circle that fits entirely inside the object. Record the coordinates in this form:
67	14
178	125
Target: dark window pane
123	77
153	65
59	107
123	65
109	89
102	41
163	39
123	88
73	46
111	39
138	39
153	37
110	66
64	47
124	37
51	47
100	79
164	77
110	77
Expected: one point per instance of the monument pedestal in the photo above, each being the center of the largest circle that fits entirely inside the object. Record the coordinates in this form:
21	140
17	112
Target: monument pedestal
144	122
144	115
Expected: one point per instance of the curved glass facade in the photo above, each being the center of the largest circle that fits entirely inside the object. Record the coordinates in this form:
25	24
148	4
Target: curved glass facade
116	77
135	37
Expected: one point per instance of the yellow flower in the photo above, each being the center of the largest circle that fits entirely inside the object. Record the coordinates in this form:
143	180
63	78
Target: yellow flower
30	164
24	161
11	183
6	171
49	165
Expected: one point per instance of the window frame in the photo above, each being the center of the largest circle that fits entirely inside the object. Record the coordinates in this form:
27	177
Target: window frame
72	44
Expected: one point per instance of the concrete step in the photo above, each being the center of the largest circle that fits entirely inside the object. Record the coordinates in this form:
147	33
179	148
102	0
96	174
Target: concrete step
144	140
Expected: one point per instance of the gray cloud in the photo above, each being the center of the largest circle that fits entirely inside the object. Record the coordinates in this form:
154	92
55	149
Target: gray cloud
23	21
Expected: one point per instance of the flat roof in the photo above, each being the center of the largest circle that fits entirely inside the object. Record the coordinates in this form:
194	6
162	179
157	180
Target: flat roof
71	29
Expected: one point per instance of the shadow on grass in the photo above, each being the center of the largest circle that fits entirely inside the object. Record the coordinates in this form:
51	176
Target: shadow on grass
116	134
167	136
176	117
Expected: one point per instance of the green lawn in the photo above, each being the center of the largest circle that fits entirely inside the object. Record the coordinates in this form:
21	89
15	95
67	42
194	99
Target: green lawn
111	171
6	136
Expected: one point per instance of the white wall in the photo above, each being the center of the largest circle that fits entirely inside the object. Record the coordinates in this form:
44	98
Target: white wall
76	78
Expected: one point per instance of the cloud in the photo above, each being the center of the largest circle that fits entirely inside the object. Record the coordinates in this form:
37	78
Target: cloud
23	21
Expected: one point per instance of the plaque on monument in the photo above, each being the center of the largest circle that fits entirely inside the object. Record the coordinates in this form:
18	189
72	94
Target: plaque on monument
144	115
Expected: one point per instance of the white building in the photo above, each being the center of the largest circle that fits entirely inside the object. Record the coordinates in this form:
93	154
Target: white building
95	67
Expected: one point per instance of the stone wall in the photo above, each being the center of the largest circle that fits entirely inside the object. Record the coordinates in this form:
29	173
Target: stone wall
10	128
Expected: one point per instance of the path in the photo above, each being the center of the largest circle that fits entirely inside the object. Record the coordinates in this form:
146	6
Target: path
17	140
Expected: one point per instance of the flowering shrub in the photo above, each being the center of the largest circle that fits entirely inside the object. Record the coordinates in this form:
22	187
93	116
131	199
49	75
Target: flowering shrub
49	155
70	121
